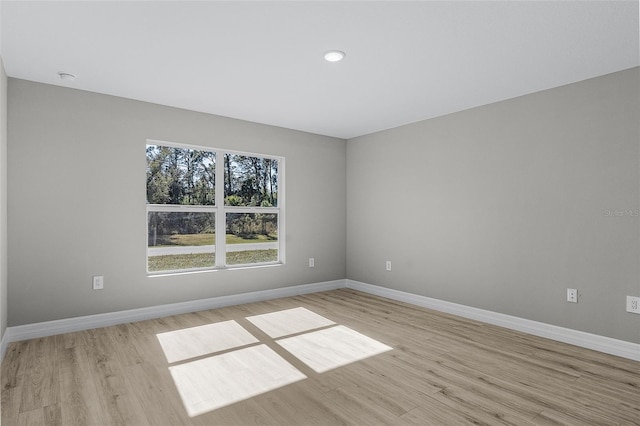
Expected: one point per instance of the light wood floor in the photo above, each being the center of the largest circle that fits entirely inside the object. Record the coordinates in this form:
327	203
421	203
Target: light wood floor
443	370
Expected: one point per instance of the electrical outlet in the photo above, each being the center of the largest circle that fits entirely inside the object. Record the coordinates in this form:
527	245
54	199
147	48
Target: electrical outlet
388	266
98	282
312	262
572	295
633	304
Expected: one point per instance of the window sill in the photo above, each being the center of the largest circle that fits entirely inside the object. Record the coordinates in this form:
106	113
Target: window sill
208	270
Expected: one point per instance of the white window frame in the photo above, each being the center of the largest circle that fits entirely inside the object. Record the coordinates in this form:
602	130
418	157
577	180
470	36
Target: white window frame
220	210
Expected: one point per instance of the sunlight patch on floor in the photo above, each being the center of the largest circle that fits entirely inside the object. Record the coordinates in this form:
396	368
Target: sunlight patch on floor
290	321
193	342
333	347
211	383
216	381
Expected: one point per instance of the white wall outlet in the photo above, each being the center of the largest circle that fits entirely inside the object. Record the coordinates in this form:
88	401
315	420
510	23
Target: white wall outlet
312	262
633	304
388	265
572	295
98	282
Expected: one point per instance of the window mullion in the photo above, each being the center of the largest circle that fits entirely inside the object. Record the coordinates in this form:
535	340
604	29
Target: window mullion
252	209
178	208
220	214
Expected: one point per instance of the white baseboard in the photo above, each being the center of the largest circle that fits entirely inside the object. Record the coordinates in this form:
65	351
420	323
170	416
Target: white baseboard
579	338
586	340
4	343
50	328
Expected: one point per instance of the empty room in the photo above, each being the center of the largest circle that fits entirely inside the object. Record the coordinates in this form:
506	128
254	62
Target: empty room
319	212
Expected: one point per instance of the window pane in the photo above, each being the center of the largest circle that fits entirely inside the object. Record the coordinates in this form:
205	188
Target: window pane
180	240
251	238
250	181
180	176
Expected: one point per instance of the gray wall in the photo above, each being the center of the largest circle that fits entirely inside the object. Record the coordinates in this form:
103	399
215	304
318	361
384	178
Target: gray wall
76	189
504	206
3	200
500	207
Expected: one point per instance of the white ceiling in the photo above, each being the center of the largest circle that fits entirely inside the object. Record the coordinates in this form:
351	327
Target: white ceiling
263	61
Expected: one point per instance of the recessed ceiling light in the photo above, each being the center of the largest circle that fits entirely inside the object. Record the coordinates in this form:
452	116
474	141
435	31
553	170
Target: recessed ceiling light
66	76
334	55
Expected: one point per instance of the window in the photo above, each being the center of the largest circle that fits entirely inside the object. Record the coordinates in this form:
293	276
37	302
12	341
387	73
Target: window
210	208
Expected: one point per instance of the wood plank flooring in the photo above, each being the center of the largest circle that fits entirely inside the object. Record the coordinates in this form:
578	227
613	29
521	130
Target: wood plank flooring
443	370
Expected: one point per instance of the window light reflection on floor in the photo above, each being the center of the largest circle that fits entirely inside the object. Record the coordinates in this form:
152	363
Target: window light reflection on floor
211	383
290	321
206	339
219	380
331	348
